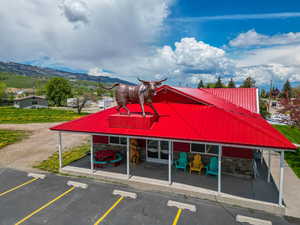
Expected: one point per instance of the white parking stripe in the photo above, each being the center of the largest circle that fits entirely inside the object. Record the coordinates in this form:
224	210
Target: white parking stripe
251	220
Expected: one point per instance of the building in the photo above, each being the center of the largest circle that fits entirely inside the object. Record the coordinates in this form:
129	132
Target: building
105	102
221	123
31	102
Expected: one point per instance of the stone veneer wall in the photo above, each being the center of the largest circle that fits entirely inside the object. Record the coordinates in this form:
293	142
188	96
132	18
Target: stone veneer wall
234	166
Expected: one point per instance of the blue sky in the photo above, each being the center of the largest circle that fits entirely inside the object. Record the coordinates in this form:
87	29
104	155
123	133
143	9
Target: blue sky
219	31
185	40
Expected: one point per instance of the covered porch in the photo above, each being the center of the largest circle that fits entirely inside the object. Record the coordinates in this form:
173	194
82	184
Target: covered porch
258	186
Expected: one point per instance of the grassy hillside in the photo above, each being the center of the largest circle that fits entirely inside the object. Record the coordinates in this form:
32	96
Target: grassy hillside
20	81
10	115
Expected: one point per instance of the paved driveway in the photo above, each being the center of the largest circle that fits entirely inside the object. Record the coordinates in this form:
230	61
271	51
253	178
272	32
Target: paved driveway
67	205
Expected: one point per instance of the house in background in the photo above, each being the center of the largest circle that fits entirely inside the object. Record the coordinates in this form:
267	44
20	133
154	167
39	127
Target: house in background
105	102
31	102
220	124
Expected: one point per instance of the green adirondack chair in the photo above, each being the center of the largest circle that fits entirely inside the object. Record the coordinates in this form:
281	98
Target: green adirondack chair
182	161
212	168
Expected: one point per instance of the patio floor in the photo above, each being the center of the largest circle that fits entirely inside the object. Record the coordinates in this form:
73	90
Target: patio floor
258	189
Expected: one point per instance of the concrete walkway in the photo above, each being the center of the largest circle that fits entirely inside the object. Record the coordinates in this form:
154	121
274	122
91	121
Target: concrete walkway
291	187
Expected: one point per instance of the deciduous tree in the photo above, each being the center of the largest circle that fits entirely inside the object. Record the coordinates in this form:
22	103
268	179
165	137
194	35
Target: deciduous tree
58	90
82	96
2	90
292	108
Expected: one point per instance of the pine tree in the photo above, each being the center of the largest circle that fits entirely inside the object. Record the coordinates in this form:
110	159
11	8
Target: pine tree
231	84
201	85
287	90
263	93
219	83
248	83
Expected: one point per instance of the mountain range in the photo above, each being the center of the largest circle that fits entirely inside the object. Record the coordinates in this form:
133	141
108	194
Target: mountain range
28	70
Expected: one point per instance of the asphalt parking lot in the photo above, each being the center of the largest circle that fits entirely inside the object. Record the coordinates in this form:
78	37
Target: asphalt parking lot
52	201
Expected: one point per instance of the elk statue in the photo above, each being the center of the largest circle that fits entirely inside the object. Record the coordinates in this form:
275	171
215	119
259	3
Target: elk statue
141	94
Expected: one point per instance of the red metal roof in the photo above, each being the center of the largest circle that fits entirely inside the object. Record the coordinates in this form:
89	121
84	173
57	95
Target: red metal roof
193	122
203	96
244	97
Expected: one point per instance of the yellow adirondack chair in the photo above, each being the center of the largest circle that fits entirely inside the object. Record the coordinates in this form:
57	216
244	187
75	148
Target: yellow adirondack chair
196	164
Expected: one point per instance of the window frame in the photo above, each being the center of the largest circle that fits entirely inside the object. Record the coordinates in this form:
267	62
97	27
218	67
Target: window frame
119	143
205	152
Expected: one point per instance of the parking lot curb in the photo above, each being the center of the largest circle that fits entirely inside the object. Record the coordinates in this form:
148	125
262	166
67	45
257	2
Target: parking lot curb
36	175
77	184
125	194
181	205
251	220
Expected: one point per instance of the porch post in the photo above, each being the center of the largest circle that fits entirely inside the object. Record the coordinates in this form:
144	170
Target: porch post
128	168
281	177
219	169
92	154
170	160
269	166
60	150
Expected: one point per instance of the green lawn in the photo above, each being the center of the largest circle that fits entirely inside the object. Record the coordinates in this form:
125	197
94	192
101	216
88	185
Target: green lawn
293	134
11	136
52	163
292	158
14	115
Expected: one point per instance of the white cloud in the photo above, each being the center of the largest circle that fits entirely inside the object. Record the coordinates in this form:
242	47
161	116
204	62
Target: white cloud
252	38
207	78
98	72
272	63
75	10
189	57
117	32
263	74
279	59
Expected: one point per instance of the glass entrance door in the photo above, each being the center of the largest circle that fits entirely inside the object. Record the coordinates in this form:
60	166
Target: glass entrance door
157	151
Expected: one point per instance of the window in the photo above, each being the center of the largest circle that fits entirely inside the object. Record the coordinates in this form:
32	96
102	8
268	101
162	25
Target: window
152	149
205	149
198	148
158	149
118	140
164	145
164	150
212	149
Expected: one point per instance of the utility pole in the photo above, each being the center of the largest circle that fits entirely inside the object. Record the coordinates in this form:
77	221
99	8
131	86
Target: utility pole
270	92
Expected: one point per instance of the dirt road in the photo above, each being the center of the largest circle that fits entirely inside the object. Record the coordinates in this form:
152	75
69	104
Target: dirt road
39	146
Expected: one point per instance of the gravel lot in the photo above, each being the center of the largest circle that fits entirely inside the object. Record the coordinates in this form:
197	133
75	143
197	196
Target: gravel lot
39	146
